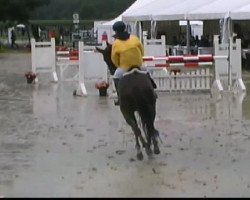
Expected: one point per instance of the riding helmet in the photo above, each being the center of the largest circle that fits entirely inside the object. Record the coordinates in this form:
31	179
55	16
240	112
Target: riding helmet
119	26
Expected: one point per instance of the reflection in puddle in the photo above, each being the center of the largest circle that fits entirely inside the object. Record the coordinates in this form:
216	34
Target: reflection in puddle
228	111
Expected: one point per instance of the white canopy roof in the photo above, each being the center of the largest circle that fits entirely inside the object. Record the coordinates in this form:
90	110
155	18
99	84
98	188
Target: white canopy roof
241	13
180	10
146	12
136	5
188	10
216	10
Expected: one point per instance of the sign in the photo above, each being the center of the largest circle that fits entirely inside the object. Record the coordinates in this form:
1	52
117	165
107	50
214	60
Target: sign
104	36
76	18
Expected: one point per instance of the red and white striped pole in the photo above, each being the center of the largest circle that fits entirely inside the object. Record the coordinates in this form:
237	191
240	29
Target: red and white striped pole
183	61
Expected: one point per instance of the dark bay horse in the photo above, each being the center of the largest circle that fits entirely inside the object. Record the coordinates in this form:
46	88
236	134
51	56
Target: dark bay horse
136	94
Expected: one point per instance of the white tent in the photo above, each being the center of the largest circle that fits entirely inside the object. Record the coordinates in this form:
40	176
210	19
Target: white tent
145	12
180	10
137	5
166	10
161	10
107	27
219	10
216	10
241	13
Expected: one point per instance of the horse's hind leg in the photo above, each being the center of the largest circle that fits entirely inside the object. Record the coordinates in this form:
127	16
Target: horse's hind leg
152	137
155	141
148	136
130	119
138	137
153	132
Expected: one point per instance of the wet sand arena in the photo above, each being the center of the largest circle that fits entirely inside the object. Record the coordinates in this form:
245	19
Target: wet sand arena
53	144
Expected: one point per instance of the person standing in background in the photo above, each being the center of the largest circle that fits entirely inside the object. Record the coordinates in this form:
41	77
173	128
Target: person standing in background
13	39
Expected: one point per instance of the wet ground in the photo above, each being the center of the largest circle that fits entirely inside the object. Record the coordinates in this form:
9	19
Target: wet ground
53	144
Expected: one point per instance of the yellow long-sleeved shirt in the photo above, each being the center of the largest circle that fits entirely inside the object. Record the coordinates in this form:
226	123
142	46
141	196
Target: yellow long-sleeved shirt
127	54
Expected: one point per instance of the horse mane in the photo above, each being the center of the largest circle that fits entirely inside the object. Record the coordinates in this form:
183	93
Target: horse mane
107	57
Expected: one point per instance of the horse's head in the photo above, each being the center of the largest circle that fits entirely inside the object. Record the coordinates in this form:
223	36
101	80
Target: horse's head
107	57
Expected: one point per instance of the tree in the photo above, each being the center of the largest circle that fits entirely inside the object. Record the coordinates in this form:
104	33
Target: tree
87	9
19	11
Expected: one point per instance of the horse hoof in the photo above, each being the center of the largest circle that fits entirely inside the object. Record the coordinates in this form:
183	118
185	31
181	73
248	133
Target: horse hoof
156	133
157	150
140	156
149	151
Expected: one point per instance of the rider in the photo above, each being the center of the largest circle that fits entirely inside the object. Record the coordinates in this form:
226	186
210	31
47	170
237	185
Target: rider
127	52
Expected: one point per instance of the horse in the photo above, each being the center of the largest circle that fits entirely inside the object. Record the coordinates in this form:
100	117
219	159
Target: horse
136	94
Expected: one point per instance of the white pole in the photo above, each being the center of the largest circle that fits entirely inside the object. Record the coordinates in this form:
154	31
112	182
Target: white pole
230	41
188	37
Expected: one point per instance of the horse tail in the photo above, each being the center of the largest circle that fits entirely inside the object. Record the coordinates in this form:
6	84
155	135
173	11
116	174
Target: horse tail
145	103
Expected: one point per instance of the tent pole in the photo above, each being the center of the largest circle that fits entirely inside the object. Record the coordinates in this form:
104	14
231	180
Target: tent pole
188	37
230	42
140	30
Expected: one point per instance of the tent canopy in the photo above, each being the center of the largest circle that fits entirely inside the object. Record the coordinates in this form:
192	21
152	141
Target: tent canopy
192	10
180	10
135	6
145	12
216	9
107	26
241	13
161	10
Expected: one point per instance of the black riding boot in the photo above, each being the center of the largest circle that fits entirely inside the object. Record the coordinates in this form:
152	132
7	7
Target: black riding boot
152	80
153	83
116	81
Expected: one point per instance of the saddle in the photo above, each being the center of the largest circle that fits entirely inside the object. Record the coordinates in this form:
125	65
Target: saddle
138	70
134	69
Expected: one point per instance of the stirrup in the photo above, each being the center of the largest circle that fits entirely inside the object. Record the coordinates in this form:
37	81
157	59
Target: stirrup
116	102
113	95
156	95
152	80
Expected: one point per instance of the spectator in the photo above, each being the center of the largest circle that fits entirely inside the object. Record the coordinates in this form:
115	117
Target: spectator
13	39
203	42
35	32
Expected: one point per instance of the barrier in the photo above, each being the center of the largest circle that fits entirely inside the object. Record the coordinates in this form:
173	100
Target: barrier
155	47
182	73
179	50
180	59
66	59
167	71
228	72
43	58
189	73
205	50
92	67
171	73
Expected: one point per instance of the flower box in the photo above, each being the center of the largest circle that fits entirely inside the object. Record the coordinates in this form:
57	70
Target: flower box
102	87
103	92
30	76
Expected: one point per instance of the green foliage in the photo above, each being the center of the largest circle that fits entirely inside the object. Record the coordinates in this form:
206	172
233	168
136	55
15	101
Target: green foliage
87	9
18	10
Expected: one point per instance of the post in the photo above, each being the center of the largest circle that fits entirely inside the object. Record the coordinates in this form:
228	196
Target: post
229	65
188	37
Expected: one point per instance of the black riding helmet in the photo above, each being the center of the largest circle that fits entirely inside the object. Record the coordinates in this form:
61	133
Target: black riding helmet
119	26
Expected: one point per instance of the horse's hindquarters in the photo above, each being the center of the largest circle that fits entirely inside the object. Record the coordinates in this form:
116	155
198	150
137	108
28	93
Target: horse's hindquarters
138	106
